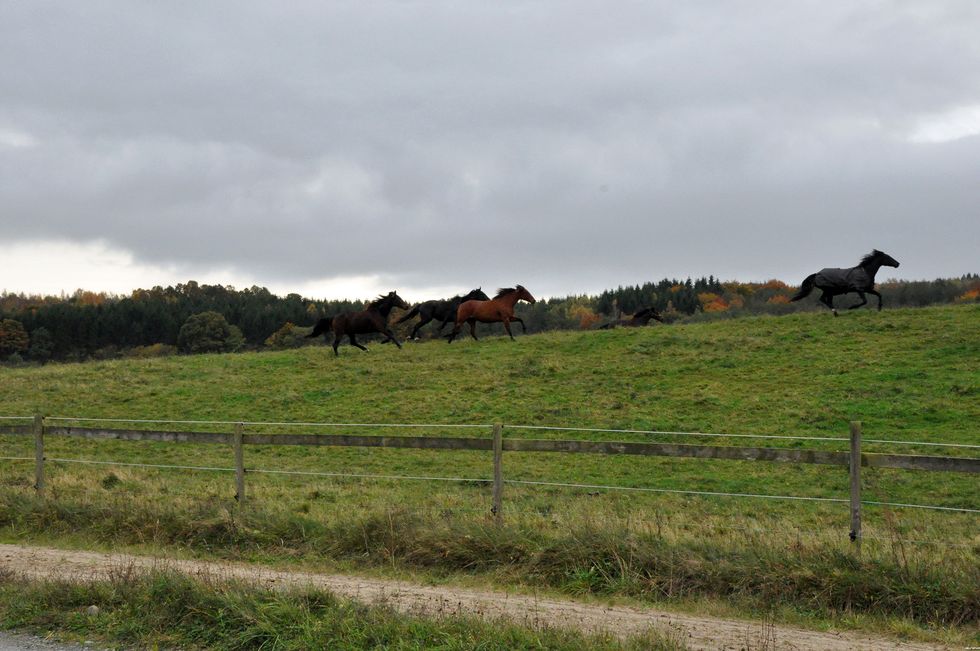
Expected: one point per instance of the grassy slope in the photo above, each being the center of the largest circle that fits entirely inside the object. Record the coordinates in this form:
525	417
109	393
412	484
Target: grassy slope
907	374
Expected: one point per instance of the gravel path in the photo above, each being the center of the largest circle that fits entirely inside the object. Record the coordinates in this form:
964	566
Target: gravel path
18	642
708	633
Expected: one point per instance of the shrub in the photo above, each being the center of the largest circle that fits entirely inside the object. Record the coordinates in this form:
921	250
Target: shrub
285	337
13	338
209	332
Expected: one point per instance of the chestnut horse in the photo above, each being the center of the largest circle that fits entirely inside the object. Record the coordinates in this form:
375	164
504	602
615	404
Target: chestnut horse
374	318
499	309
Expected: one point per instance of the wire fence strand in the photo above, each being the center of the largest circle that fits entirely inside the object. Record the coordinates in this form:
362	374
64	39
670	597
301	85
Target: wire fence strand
138	465
527	482
369	475
270	423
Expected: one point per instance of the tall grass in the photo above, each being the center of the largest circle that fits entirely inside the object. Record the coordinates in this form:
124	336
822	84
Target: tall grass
591	556
174	611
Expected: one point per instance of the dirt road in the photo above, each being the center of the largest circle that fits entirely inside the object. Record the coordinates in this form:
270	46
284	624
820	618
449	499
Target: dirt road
709	633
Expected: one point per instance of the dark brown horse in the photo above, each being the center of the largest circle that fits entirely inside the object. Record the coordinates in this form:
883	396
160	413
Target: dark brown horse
640	318
374	318
499	309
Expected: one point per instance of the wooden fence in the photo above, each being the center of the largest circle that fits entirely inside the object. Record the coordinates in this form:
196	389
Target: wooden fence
854	459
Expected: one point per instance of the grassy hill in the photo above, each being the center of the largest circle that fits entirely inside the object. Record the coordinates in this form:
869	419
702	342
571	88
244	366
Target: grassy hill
909	375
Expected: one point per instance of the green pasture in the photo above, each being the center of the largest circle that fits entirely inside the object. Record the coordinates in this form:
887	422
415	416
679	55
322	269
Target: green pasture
908	375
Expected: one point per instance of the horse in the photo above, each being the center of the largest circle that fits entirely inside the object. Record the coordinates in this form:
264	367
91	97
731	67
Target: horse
860	279
374	318
639	319
444	310
498	309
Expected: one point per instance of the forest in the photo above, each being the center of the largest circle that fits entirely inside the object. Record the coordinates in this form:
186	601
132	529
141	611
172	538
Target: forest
192	318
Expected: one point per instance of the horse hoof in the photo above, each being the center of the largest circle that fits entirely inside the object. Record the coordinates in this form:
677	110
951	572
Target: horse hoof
835	312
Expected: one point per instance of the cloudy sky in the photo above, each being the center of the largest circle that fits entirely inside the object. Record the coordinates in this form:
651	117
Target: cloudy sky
339	149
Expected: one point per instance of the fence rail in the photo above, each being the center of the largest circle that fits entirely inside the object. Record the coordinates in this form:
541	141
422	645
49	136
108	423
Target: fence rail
853	459
737	453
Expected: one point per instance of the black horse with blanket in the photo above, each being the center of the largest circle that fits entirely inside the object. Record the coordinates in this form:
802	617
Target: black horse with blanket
859	279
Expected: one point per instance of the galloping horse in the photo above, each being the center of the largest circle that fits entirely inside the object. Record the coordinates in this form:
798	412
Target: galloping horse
498	309
860	279
444	310
374	318
640	318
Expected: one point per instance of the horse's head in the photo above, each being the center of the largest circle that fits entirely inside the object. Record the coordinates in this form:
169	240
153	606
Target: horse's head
476	295
397	301
879	258
885	259
524	294
388	301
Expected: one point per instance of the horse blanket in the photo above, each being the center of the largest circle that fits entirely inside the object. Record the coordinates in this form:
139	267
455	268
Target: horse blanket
854	279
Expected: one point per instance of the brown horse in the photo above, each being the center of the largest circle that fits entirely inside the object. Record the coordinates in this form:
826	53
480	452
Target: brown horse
374	318
499	309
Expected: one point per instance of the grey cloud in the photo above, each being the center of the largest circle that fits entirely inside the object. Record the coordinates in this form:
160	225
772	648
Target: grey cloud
572	145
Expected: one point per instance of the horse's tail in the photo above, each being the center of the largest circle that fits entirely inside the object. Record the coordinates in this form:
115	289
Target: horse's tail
412	313
805	288
322	326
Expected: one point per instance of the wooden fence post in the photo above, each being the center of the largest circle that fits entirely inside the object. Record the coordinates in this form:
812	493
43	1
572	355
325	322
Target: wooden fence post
39	454
239	463
498	473
855	465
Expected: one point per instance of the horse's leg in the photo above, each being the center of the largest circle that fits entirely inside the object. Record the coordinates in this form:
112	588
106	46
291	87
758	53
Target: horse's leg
875	293
391	335
353	341
456	329
828	299
521	321
472	323
336	343
864	301
418	326
506	323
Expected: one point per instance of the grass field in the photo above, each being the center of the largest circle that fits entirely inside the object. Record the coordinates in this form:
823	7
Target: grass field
908	375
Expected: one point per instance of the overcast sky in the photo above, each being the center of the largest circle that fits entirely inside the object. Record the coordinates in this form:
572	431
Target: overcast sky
341	149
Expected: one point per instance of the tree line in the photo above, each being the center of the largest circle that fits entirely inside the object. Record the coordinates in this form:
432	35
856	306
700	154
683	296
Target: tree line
191	318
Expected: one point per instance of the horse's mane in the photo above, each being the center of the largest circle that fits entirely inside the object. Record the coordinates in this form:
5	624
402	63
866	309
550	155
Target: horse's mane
503	291
869	258
379	300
